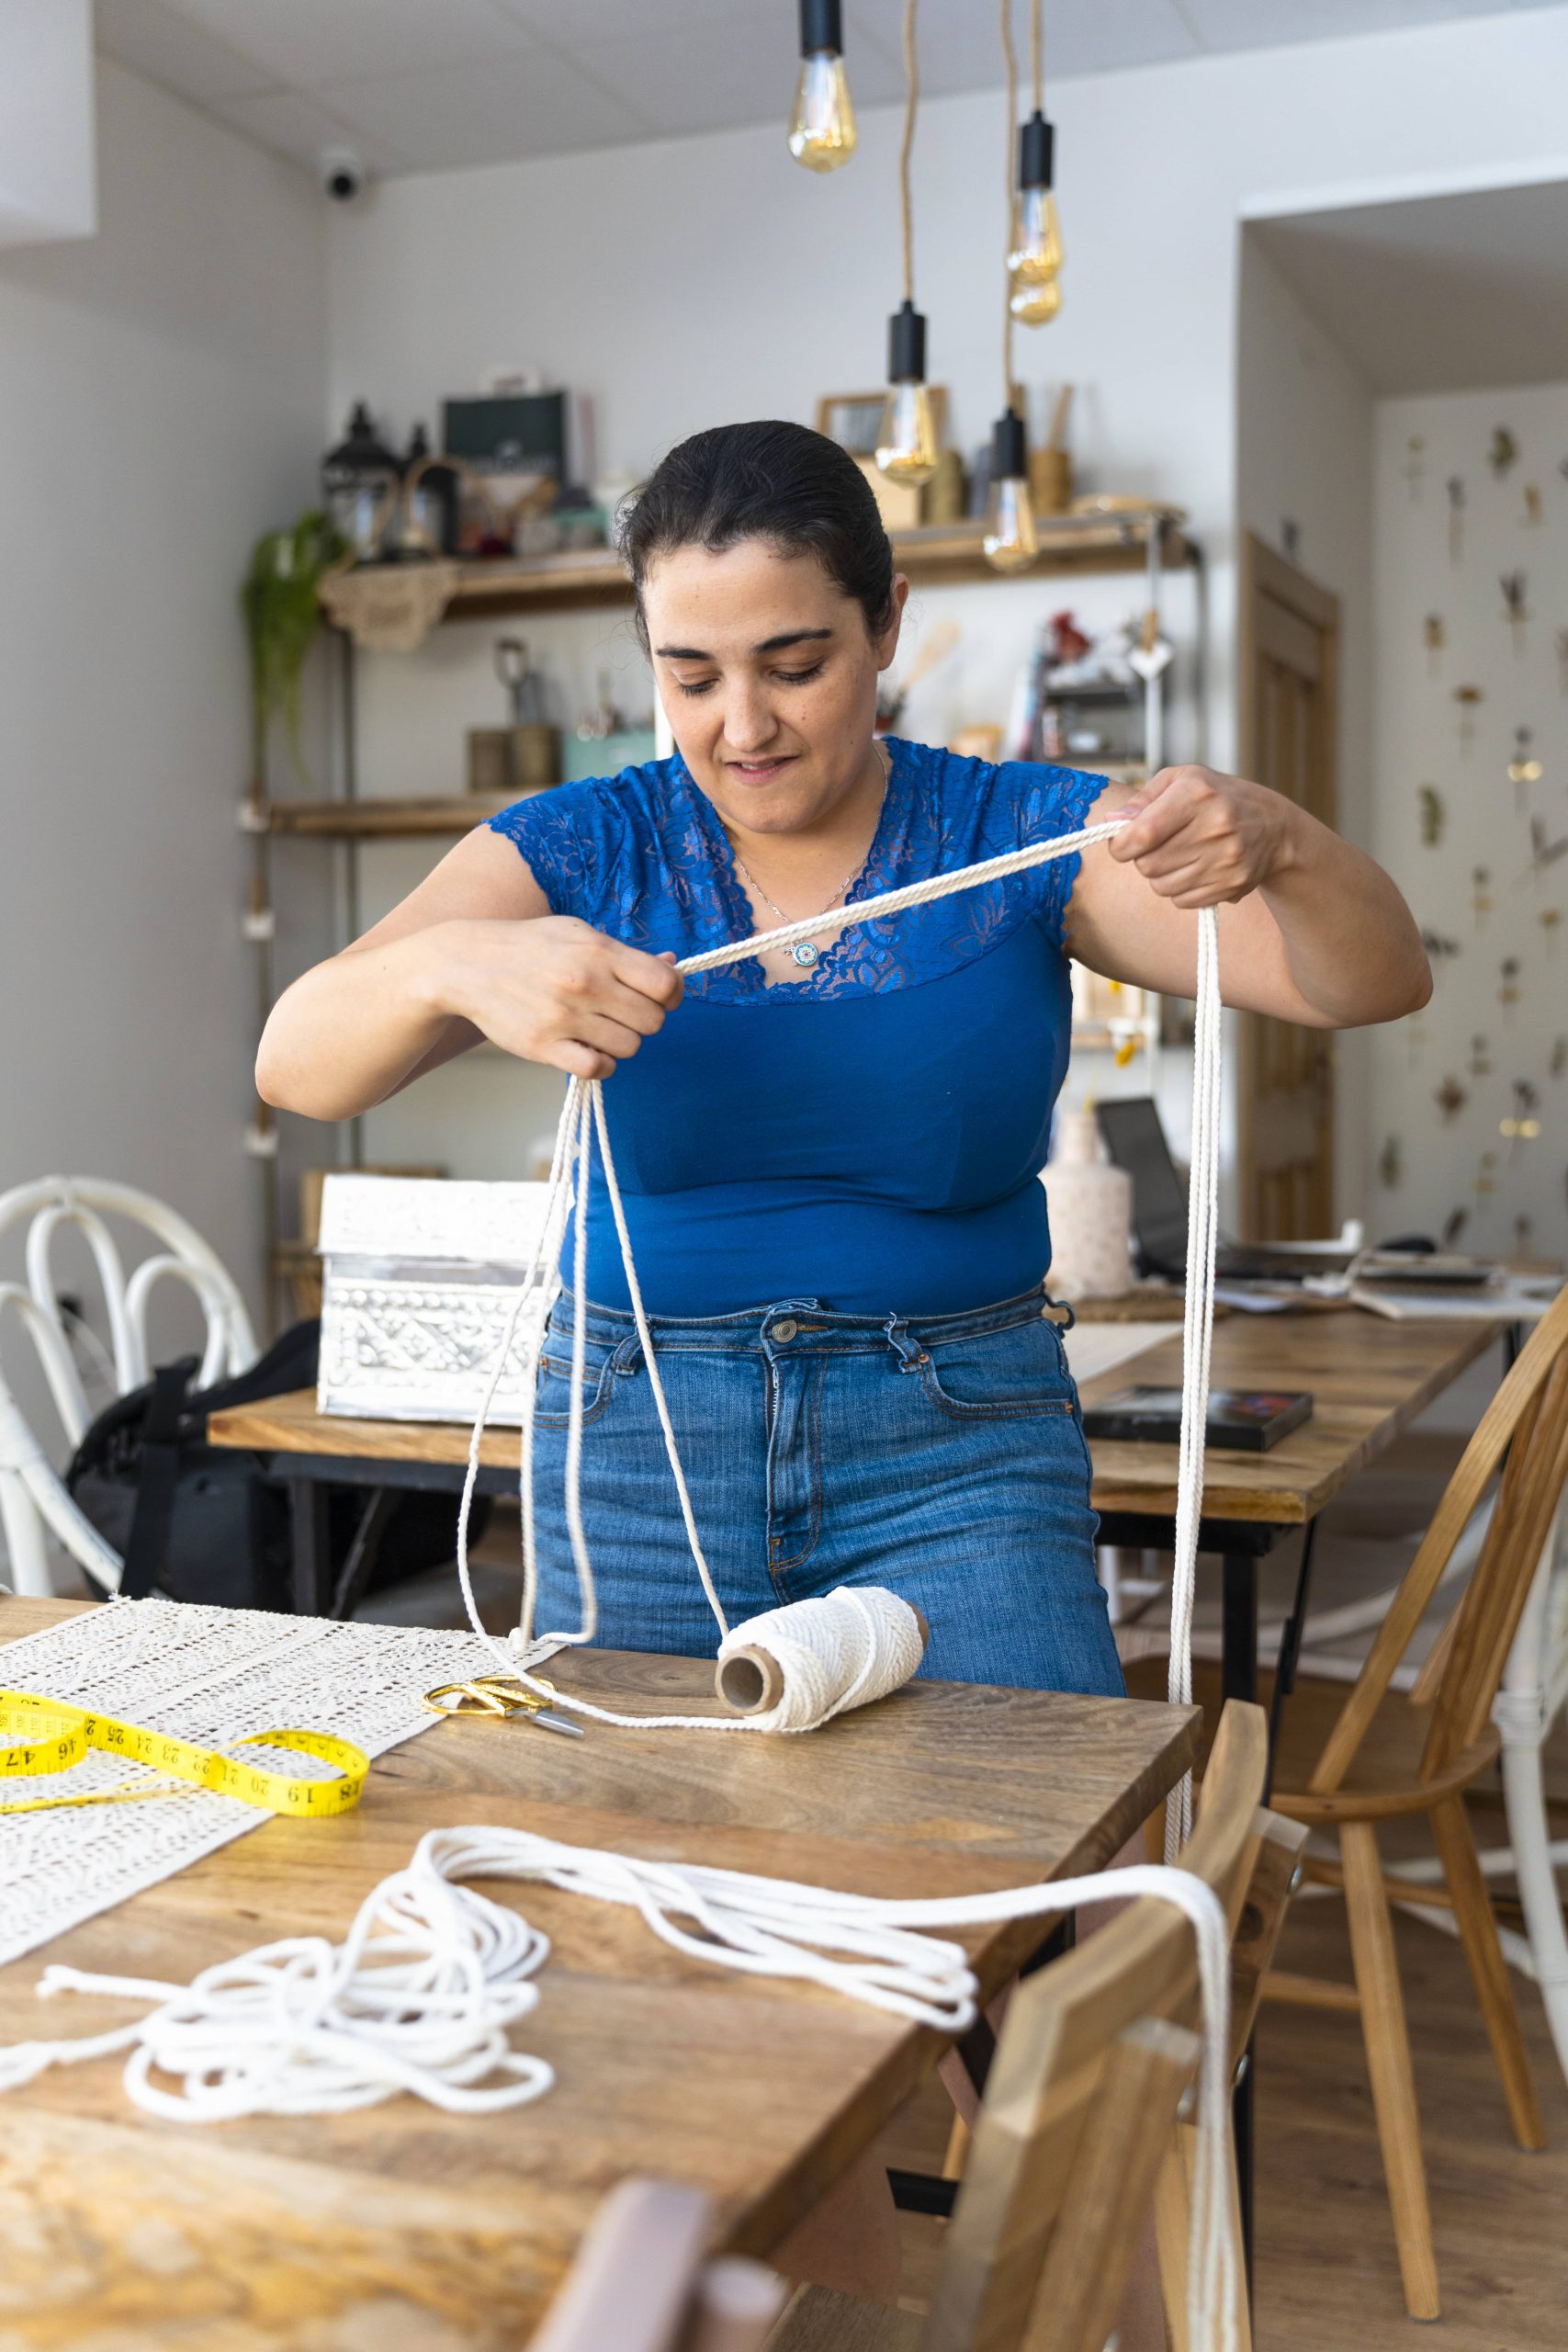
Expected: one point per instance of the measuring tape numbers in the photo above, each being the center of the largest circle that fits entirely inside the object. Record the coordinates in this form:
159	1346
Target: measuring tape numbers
49	1735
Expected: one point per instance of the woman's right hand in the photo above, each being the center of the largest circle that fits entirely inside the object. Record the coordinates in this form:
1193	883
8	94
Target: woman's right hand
552	990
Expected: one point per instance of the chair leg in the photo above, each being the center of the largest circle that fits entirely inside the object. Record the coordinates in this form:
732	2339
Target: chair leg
1531	1839
1478	1930
1388	2062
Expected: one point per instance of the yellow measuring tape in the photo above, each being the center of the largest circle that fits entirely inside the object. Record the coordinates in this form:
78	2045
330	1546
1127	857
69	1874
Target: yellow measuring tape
49	1736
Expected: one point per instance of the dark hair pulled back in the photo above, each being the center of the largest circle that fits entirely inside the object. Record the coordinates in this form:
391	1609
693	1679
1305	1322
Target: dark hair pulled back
765	481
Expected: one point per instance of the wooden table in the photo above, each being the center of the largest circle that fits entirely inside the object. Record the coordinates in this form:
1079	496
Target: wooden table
401	2229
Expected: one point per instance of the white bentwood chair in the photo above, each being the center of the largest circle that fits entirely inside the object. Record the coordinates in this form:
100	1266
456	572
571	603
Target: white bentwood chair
34	1503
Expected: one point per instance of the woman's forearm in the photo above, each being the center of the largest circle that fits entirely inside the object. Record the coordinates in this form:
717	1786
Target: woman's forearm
349	1033
1350	942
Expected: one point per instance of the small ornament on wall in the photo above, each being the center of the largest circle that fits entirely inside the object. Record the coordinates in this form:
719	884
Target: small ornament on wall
1415	466
1523	1127
1558	1065
1544	851
1485	1174
1450	1099
1534	512
1391	1165
1551	921
1508	988
1434	815
1516	607
1438	945
1453	1226
1468	699
1524	1236
1434	637
1481	894
1480	1059
1503	451
1562	660
1524	767
1456	518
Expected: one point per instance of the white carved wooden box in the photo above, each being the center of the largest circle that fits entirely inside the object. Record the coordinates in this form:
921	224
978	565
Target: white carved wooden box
418	1280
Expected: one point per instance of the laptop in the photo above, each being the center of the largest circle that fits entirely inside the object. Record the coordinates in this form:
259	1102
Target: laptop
1135	1140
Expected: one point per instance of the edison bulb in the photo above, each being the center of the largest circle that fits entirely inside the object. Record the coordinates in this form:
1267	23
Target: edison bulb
1034	305
822	128
905	447
1035	252
1010	542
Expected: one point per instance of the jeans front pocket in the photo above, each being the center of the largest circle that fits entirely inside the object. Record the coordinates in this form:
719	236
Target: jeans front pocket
1011	1375
552	1396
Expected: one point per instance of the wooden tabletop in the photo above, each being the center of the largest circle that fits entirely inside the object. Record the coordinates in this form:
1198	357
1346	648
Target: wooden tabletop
400	2227
1369	1379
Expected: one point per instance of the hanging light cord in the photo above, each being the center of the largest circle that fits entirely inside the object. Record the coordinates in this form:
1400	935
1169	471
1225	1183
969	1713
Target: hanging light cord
912	101
1037	54
1010	55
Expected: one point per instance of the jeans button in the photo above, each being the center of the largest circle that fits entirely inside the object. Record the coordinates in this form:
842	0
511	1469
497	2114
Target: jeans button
785	1330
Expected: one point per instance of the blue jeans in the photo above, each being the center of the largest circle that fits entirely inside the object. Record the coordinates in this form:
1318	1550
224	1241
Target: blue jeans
943	1458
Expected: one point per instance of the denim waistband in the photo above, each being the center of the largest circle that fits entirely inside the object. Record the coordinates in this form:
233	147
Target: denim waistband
801	1326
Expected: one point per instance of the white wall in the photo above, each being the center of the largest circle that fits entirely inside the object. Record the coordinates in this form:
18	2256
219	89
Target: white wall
1305	456
1437	1165
163	387
686	282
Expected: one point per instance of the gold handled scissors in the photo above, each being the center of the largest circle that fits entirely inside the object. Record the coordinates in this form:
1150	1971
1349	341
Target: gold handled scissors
500	1694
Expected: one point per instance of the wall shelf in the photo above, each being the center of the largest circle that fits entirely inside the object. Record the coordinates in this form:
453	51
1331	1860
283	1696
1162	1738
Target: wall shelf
936	553
399	820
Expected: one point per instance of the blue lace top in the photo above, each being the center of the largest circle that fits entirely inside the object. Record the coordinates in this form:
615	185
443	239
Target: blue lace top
868	1136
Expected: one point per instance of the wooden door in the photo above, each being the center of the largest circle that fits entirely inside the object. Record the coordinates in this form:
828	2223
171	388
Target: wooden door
1289	740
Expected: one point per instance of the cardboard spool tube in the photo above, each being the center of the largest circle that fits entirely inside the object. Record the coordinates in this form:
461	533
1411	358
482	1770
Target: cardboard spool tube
749	1681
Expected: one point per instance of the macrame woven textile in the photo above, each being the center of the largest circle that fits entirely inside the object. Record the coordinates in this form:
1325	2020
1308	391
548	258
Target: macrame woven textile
209	1675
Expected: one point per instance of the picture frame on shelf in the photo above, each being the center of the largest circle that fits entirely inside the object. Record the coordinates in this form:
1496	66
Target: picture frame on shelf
855	419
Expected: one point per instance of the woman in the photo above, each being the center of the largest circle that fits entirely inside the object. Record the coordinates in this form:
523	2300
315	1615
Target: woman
829	1157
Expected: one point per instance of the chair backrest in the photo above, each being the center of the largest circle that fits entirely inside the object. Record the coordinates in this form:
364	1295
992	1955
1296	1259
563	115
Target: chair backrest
1094	2059
31	1494
1524	1431
642	2282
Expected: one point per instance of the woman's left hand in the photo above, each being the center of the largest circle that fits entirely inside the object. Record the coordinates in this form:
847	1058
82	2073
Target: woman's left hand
1200	839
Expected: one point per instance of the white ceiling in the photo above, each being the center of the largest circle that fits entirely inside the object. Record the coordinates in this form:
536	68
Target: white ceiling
436	85
1447	293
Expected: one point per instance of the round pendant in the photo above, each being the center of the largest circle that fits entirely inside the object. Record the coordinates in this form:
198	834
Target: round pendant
803	953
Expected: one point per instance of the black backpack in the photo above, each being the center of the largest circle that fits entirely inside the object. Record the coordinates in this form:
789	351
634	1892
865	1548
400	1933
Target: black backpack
204	1522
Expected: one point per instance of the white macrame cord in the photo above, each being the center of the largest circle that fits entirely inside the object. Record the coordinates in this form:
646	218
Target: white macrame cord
856	1644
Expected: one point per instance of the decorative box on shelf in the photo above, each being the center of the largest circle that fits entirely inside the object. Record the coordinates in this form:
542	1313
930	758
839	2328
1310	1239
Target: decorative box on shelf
419	1278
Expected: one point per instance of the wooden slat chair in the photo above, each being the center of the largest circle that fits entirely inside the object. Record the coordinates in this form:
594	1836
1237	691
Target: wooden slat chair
1346	1762
1079	2121
642	2281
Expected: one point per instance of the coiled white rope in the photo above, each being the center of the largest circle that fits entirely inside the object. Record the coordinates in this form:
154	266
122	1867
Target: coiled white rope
419	1997
841	1676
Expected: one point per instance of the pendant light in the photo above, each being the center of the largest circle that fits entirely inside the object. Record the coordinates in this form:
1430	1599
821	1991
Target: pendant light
905	445
822	126
1034	252
1010	542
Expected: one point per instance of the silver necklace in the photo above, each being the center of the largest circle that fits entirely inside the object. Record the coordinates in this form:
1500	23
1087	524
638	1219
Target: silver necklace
806	951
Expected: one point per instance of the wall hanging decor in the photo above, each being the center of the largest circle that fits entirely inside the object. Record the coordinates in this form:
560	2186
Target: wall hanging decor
1450	1099
906	443
1558	1062
1480	1059
1551	921
1456	518
1468	699
1481	894
1433	814
1544	851
1523	1125
1486	1175
1034	246
1508	984
1439	946
822	122
1516	608
1453	1226
1562	660
1391	1164
1503	451
1434	637
1534	512
1415	465
1524	767
1524	1235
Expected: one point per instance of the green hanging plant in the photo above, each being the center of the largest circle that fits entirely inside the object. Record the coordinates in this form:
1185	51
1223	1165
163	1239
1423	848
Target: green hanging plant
282	616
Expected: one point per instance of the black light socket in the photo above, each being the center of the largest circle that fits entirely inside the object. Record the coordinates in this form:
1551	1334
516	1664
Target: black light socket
1010	448
1036	152
906	345
821	27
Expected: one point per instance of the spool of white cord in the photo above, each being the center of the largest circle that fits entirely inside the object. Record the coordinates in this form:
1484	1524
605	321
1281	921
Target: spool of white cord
794	1667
